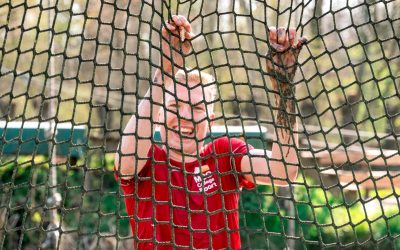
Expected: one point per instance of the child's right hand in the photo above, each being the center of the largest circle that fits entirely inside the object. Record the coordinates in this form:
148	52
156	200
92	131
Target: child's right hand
175	35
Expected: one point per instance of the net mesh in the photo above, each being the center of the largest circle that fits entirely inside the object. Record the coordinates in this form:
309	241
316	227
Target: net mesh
73	73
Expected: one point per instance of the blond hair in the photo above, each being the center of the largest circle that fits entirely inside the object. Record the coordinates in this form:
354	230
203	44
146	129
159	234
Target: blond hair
194	76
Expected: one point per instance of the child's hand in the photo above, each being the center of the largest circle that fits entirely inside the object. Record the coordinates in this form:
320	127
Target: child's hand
282	65
176	35
283	53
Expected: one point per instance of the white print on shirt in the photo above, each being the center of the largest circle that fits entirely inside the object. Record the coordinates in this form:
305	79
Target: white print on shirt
206	180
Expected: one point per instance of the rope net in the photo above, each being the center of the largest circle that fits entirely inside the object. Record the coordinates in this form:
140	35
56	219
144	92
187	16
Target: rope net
73	73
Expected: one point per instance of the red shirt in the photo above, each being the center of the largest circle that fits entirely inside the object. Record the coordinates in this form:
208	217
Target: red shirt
171	207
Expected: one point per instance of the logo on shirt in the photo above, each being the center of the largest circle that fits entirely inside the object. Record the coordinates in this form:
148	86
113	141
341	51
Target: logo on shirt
204	181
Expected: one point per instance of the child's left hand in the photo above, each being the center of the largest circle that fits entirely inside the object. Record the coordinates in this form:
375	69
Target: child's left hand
282	64
283	54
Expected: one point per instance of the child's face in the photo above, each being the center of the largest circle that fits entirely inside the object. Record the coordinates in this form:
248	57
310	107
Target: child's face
186	120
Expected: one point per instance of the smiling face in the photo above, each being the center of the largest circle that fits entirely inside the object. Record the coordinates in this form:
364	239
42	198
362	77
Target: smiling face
186	116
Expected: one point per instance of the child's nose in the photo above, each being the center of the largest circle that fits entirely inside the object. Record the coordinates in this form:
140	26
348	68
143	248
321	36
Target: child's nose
186	113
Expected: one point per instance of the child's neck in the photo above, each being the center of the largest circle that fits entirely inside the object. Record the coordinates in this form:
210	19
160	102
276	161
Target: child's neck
178	157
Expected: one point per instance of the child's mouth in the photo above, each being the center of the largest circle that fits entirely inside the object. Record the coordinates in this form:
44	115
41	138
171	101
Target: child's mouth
185	131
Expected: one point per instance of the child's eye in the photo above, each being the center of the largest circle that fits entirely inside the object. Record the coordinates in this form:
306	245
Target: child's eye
173	106
199	108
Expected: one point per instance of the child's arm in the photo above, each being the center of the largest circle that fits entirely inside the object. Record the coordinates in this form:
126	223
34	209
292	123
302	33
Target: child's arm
135	141
282	165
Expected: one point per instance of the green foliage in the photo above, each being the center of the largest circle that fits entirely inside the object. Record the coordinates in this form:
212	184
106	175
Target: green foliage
88	206
322	218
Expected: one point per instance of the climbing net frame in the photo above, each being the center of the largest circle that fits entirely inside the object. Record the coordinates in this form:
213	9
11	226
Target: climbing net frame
72	73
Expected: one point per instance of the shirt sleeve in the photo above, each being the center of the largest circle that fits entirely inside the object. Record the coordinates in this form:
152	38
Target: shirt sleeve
128	185
236	149
240	149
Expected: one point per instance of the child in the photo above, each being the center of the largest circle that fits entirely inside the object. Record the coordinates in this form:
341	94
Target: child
180	193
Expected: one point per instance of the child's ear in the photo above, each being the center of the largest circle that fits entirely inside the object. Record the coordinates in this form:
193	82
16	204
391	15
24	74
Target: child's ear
160	117
211	119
